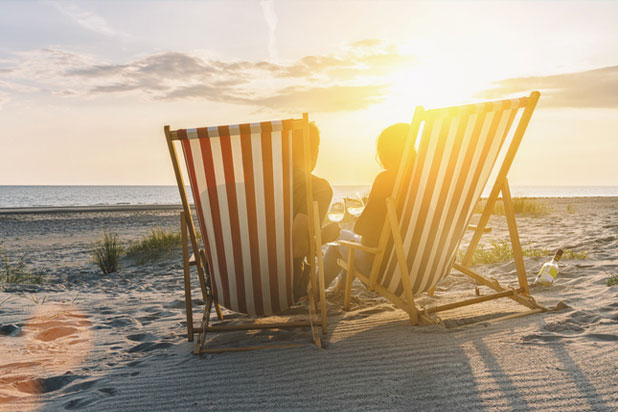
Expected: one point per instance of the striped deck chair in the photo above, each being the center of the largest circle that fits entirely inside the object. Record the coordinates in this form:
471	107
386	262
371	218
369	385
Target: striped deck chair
241	178
433	199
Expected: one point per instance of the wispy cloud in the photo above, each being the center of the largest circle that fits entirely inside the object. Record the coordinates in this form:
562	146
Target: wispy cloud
268	10
324	99
354	77
86	19
586	89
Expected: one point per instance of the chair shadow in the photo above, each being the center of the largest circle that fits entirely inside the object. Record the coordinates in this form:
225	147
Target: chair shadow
380	363
260	337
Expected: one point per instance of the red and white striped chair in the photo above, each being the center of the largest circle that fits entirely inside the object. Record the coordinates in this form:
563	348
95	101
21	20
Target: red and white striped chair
241	178
434	197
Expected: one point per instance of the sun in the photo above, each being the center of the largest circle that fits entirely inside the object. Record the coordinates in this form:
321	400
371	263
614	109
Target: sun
433	86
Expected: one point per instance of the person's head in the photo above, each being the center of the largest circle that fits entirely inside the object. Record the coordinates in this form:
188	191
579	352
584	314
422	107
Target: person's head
298	146
391	144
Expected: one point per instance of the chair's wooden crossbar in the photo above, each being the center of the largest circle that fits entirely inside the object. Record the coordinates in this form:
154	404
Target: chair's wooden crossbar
258	326
505	317
495	285
475	227
296	124
485	106
454	305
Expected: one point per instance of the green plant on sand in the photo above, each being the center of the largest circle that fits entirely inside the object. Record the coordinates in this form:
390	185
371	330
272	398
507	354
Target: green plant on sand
524	206
106	253
16	273
569	254
501	251
613	280
154	246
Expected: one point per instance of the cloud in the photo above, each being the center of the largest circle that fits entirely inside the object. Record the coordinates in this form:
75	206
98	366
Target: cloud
313	99
17	87
268	10
86	19
586	89
351	78
324	99
4	99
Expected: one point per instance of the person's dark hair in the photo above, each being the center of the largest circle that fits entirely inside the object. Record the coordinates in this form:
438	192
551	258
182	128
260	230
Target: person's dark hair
314	140
391	144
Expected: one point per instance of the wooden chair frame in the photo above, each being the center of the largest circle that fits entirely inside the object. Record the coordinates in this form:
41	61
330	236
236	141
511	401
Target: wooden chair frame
417	314
198	259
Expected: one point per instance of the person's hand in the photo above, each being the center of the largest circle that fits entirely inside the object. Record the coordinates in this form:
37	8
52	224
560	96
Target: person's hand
330	232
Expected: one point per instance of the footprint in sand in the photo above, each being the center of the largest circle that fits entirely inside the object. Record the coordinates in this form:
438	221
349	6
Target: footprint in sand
37	358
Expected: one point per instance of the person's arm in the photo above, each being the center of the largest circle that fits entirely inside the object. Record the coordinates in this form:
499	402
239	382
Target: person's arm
322	192
369	223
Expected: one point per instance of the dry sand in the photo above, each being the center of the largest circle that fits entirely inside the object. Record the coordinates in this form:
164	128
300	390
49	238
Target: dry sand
86	341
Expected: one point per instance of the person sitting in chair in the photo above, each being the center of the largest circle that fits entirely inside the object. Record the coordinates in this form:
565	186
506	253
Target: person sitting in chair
367	228
321	192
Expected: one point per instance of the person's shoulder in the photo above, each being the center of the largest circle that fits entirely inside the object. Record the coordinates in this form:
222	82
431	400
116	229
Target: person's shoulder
385	177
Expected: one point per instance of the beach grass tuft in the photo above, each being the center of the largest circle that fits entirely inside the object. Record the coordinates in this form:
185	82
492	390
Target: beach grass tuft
106	253
501	251
574	255
524	206
157	244
613	280
16	272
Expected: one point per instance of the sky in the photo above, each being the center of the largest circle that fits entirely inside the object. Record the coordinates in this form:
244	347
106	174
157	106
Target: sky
87	86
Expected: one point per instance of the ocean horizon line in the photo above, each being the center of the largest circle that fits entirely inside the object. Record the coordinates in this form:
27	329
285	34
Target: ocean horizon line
337	185
41	196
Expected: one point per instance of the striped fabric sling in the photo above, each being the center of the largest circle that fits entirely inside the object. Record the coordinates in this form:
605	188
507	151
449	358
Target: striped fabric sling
457	152
241	179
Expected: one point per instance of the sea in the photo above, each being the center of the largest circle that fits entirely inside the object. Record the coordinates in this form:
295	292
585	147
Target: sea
59	196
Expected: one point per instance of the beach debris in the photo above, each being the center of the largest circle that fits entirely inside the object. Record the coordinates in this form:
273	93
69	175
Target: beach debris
549	271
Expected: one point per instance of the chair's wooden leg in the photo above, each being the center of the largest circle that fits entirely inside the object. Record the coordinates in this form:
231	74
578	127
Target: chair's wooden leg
216	303
318	251
187	275
509	212
480	227
218	310
205	319
349	278
323	308
401	259
312	312
202	272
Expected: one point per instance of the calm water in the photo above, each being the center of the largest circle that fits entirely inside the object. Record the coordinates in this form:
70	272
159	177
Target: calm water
33	196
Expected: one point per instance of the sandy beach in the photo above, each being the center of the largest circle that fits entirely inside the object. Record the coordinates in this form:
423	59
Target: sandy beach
82	340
